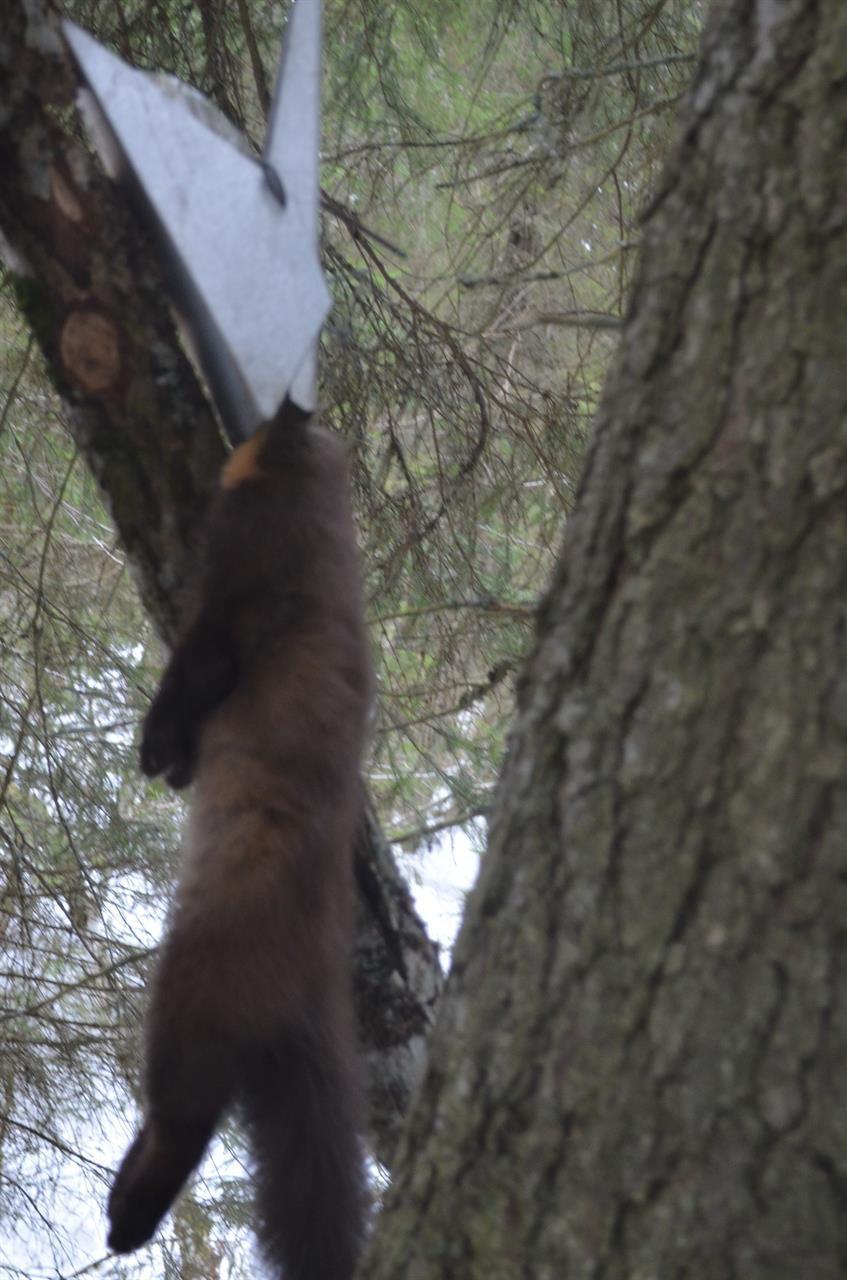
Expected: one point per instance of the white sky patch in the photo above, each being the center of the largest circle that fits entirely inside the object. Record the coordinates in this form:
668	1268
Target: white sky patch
440	879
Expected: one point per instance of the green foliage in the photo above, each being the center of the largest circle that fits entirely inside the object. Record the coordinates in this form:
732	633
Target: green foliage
455	131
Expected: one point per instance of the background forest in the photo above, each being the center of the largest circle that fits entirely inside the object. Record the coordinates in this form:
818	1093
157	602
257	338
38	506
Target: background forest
507	150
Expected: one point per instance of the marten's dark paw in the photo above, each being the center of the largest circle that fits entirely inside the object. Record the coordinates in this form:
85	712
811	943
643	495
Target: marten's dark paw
138	1202
149	1180
166	748
134	1219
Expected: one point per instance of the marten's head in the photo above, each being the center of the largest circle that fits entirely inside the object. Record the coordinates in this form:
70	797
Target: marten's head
250	460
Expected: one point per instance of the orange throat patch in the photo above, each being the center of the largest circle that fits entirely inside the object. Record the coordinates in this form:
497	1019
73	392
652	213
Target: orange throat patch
243	463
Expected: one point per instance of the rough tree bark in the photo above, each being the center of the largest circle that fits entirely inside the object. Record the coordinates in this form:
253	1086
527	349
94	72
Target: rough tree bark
90	286
639	1067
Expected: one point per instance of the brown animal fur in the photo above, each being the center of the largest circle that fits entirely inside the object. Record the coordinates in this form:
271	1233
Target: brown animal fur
263	705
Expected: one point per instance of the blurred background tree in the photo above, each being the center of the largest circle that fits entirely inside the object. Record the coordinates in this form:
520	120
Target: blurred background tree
507	151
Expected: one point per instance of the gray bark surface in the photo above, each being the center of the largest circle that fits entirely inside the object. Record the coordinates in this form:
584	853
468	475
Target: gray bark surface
88	282
639	1068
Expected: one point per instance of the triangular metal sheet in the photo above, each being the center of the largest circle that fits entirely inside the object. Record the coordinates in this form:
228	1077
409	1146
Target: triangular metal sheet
245	269
292	145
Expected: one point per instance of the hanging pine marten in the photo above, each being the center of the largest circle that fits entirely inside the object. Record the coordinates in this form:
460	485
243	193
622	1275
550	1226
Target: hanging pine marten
263	707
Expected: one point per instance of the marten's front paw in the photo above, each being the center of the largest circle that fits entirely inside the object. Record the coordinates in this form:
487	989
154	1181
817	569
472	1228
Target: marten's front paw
167	747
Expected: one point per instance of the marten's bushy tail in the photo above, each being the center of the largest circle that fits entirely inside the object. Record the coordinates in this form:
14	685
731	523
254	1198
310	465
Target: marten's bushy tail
301	1111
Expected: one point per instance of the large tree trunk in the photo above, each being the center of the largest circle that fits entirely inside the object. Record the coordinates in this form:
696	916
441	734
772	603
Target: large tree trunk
640	1064
92	291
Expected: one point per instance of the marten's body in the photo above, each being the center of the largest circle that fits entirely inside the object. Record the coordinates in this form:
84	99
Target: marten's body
263	706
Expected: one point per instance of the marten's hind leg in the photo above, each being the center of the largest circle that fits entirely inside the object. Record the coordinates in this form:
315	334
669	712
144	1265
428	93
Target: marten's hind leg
191	1076
150	1177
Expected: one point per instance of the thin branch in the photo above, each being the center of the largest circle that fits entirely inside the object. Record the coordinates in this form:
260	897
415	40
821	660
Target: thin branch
417	835
259	78
486	604
88	1268
53	1141
581	144
570	320
355	226
617	68
16	749
87	980
13	389
542	277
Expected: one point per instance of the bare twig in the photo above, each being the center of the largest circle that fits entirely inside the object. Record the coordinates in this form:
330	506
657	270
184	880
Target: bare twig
618	68
259	78
570	320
